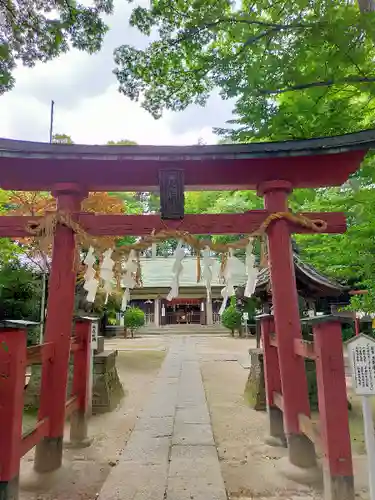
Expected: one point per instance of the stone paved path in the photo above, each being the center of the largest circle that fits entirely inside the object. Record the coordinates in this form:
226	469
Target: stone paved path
171	454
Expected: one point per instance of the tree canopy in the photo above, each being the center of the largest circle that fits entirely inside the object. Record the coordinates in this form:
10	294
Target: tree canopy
32	31
250	50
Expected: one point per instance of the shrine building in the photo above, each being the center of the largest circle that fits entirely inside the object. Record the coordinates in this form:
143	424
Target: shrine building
192	305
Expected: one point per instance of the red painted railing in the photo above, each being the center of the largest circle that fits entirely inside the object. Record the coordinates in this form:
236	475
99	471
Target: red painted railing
14	358
331	434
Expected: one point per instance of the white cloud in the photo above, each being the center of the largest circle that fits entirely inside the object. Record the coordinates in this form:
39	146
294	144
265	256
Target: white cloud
88	106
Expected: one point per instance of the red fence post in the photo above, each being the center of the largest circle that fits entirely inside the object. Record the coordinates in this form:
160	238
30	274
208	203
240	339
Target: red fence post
81	383
272	379
288	326
333	410
12	384
60	306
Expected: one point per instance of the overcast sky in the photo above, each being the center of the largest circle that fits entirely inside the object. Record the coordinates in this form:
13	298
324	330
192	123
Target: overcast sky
88	106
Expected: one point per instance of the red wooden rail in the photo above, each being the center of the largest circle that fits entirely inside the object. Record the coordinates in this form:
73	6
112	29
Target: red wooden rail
14	358
331	434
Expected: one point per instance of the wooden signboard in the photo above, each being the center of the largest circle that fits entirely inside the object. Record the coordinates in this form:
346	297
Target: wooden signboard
171	194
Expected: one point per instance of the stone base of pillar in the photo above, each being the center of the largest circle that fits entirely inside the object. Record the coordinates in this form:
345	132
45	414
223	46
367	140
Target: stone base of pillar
338	487
309	476
277	435
48	454
301	451
9	490
107	389
255	389
78	431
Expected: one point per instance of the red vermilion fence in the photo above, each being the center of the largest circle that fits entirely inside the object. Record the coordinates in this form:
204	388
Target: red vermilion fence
331	434
14	358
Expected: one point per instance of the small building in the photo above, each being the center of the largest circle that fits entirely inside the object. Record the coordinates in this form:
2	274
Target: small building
192	305
316	291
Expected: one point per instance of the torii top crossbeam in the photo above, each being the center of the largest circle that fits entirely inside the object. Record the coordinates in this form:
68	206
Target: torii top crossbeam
304	163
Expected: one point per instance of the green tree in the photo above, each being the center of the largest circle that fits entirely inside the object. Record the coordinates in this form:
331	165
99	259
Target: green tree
134	318
62	139
41	31
20	291
249	50
231	318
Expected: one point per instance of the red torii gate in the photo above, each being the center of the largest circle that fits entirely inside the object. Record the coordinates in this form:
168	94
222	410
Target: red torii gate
273	169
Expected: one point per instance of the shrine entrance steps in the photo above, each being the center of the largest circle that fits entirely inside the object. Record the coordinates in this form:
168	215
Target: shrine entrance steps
184	329
171	453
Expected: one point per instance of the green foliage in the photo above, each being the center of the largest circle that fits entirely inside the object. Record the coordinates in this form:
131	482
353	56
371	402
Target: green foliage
251	51
250	308
134	318
42	30
62	139
231	318
20	293
347	332
122	142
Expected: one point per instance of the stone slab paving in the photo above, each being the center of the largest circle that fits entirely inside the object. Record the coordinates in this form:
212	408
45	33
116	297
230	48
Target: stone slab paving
171	453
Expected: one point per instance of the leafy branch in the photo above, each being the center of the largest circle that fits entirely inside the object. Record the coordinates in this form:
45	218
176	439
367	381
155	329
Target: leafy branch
324	83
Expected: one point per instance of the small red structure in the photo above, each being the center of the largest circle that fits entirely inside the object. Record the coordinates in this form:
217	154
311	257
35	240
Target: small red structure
14	358
273	169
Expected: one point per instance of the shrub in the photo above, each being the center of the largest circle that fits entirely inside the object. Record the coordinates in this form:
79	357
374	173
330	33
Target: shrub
231	318
134	318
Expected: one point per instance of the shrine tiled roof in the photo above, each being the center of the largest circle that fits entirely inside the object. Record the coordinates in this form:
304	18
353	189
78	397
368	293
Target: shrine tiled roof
157	273
32	166
308	276
357	140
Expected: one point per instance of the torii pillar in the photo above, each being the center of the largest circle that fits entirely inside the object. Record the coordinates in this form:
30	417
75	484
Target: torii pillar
60	307
287	323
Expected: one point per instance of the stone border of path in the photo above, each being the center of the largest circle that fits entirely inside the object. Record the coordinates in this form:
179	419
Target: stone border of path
171	453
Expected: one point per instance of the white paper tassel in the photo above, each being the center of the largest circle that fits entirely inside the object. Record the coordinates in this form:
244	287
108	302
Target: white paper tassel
91	283
106	271
176	270
130	267
228	291
125	299
251	270
91	288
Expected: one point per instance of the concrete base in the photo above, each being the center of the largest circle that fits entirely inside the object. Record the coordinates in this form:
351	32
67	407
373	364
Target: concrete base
48	454
9	489
77	445
310	476
275	442
78	427
277	434
338	487
301	451
39	484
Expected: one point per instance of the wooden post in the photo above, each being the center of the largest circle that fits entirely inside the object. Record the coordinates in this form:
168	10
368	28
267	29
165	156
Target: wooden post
203	318
272	380
81	378
12	383
60	306
209	314
333	411
287	321
163	308
157	312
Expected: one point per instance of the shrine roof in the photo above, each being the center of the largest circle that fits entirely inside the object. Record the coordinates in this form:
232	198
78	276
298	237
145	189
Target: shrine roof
157	273
40	166
309	281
